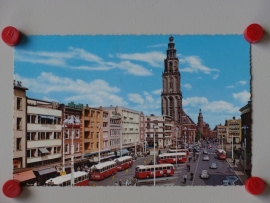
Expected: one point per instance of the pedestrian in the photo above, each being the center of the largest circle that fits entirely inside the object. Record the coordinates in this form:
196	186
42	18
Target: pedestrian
127	183
116	184
185	178
191	176
35	184
120	182
234	162
189	158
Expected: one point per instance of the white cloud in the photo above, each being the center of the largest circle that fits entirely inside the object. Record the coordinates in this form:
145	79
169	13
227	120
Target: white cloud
154	58
230	86
242	82
136	98
243	97
156	92
95	93
157	45
211	106
187	86
89	61
215	76
195	65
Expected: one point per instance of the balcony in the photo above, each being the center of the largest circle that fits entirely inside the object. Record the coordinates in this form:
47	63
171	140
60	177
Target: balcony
42	143
43	158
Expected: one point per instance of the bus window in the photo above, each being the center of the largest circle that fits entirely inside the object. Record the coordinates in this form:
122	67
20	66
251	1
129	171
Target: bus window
64	184
68	182
75	180
148	169
168	167
152	169
79	178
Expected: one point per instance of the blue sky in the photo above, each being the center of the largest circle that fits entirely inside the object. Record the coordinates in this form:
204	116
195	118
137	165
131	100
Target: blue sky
126	70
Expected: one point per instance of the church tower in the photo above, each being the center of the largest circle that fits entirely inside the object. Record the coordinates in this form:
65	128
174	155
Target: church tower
171	96
200	121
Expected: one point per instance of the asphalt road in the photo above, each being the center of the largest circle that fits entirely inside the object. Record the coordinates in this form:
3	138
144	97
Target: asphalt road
216	175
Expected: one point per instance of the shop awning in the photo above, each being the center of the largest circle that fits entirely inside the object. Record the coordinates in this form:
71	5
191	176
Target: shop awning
43	116
24	176
43	150
51	117
93	153
46	171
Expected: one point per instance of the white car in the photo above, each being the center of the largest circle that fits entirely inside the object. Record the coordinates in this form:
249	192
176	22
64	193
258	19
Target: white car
232	179
204	174
213	166
206	158
205	152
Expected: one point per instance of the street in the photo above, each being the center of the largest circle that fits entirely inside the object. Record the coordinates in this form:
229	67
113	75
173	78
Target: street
216	175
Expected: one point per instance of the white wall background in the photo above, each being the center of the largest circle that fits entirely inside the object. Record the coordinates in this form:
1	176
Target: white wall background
137	17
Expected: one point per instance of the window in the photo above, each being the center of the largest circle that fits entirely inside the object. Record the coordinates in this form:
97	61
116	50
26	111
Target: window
77	133
97	144
77	145
66	134
98	114
92	135
92	114
92	124
19	103
19	144
66	149
97	134
92	145
19	123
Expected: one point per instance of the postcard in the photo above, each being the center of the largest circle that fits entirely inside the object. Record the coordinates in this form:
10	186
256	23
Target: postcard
132	110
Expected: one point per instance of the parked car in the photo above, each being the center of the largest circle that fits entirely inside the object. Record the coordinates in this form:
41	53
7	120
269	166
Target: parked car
204	174
213	166
205	151
206	158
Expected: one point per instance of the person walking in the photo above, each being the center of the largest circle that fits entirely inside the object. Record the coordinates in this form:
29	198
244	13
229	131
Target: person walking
191	176
120	182
127	182
116	184
185	178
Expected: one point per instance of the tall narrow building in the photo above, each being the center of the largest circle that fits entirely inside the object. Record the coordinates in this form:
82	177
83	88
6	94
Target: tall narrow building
171	96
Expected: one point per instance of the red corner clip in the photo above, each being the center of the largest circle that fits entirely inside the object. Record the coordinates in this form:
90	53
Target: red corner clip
253	33
11	36
12	188
255	185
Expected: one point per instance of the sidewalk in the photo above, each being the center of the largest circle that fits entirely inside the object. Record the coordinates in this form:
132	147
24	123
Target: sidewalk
239	169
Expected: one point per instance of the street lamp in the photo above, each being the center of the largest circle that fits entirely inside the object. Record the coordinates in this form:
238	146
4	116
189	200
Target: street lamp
155	127
99	127
176	133
72	122
185	132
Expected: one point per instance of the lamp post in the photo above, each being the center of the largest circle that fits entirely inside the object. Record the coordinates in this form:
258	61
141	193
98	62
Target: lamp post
99	127
185	135
189	136
232	142
72	122
176	133
155	127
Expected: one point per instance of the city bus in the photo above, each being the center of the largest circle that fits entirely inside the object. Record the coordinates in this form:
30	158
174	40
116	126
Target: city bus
147	171
81	178
221	154
103	170
124	162
171	158
178	150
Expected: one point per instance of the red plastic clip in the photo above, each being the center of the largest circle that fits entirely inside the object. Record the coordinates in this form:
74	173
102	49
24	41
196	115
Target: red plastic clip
12	188
253	33
11	36
255	185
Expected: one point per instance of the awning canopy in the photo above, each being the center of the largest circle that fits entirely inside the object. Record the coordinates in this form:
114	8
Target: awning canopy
51	117
43	150
42	116
93	153
46	171
24	176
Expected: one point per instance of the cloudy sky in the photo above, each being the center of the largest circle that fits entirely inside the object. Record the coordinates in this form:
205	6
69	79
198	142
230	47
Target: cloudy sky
126	70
